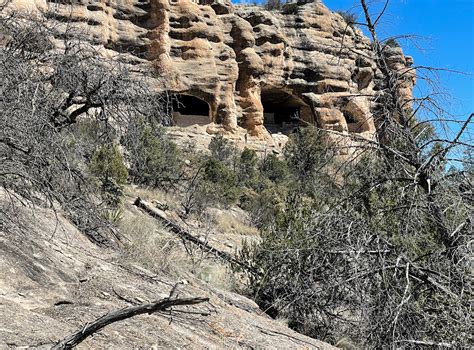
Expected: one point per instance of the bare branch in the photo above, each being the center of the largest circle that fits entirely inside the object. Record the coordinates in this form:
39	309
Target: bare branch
119	315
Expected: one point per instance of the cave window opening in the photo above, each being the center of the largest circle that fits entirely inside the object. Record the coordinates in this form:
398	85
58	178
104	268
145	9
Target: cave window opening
190	110
281	111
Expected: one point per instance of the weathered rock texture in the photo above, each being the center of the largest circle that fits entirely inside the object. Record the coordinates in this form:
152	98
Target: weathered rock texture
53	280
243	61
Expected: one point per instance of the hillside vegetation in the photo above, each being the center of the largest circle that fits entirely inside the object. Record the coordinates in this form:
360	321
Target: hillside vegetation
361	245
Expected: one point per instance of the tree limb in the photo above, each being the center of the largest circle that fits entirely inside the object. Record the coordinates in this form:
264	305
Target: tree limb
175	228
90	328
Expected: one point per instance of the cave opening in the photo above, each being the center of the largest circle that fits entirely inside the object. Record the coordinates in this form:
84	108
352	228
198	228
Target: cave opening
190	110
281	110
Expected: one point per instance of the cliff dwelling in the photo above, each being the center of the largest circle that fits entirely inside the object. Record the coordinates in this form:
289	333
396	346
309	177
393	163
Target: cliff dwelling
190	110
282	112
248	71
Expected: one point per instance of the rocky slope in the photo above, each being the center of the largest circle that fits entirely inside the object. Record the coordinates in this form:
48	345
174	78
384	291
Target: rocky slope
255	69
53	281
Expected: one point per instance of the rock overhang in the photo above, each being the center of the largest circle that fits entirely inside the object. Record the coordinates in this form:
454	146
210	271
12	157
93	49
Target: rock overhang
234	57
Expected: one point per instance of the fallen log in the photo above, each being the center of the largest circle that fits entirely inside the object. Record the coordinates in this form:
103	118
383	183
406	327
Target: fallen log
90	328
184	234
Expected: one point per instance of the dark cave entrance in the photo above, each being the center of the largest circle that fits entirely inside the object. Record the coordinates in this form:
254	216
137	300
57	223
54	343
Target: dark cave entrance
281	110
190	110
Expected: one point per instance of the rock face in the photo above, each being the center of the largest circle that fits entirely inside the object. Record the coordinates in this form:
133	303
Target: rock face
53	281
256	70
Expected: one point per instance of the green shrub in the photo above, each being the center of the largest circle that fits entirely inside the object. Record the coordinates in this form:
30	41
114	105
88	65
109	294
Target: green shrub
392	43
212	178
247	172
264	207
154	159
219	183
85	136
217	172
306	153
274	169
213	183
107	165
349	17
221	148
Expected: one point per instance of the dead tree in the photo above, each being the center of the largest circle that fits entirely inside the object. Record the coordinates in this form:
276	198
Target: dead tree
399	115
189	237
380	254
59	104
119	315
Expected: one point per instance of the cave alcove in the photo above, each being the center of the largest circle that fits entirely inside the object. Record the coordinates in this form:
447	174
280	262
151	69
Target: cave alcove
281	110
190	110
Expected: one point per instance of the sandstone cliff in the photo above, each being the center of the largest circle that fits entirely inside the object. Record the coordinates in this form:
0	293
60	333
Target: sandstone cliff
255	69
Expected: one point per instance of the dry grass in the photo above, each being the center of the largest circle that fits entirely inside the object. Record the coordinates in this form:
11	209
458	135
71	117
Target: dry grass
282	320
346	344
229	222
151	246
158	250
153	194
219	276
154	248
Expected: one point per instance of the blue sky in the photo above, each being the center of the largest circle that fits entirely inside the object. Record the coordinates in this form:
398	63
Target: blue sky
445	30
445	39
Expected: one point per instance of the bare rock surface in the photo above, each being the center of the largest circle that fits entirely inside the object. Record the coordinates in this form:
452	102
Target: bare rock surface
53	281
256	70
199	137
